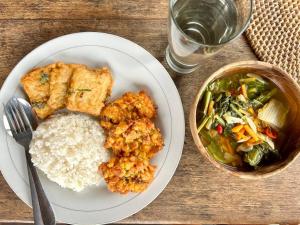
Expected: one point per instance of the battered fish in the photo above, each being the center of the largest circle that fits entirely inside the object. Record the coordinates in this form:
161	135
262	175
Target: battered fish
36	84
48	88
59	82
88	90
138	137
129	107
127	174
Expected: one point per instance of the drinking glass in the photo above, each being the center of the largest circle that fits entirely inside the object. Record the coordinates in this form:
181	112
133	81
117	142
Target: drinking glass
198	28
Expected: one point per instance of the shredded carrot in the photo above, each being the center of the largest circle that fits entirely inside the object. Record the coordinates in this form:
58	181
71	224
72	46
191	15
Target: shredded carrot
252	140
242	131
240	136
237	128
251	132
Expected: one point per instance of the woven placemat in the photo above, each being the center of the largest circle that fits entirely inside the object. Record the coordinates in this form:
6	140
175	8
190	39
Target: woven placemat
274	34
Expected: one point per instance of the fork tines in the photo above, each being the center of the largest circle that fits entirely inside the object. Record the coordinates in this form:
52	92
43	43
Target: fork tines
16	116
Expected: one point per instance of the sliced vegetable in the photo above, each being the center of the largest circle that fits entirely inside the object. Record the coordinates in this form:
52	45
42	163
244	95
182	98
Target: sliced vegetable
251	124
254	157
251	132
231	119
250	110
244	90
271	133
257	77
243	139
214	149
220	120
236	110
273	113
206	101
244	148
219	129
237	128
204	121
268	140
219	97
209	123
247	80
241	98
228	146
264	97
210	107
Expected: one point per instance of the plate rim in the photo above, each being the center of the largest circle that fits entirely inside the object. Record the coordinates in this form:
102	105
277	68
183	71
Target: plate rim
154	61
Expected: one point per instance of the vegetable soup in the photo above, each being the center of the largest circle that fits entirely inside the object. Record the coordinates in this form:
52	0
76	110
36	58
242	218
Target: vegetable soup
242	119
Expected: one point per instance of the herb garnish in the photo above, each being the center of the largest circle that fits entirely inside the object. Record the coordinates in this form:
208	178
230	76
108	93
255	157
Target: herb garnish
38	105
83	89
44	78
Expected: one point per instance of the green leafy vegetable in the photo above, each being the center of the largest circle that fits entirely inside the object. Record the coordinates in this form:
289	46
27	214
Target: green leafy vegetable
264	97
253	157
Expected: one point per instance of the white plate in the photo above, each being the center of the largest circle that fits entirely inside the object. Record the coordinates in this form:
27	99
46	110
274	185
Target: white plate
133	69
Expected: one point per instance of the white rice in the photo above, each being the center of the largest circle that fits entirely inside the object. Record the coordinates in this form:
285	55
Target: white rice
68	148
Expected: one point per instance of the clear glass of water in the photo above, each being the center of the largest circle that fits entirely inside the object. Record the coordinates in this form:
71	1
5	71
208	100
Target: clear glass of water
198	28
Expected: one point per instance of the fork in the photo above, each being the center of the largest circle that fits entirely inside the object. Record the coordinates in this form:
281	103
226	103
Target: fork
21	130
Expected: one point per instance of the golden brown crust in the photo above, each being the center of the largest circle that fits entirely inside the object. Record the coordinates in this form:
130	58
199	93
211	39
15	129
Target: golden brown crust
127	174
139	138
36	84
88	90
36	90
47	88
59	82
130	106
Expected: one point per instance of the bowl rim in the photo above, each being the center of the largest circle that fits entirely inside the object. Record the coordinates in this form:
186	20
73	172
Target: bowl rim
193	121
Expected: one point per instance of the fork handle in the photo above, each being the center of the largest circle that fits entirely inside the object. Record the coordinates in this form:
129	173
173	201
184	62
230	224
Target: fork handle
42	210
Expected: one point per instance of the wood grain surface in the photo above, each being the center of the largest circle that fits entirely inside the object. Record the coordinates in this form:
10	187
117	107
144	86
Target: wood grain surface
198	193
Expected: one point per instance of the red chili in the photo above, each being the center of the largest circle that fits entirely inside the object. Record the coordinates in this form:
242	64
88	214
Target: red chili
271	133
219	129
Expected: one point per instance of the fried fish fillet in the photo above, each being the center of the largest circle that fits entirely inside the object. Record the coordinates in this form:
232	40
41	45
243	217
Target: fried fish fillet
127	174
138	137
59	82
88	90
129	107
36	84
47	87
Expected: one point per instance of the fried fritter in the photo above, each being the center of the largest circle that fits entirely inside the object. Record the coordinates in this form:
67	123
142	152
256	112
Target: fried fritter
88	90
138	137
127	174
129	107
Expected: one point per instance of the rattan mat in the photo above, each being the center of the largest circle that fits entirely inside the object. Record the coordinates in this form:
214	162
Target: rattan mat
274	34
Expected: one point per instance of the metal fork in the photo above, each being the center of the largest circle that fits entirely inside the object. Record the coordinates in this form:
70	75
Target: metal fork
21	129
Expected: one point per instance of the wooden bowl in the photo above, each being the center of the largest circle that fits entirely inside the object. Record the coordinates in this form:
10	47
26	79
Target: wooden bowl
292	93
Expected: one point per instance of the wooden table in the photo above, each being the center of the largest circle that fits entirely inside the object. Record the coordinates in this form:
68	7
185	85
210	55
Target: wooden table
198	193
